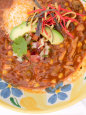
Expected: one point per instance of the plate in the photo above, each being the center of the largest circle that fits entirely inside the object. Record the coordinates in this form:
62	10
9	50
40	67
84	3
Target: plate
65	94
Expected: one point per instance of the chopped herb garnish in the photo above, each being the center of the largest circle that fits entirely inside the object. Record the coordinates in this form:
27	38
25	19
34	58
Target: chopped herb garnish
45	55
20	46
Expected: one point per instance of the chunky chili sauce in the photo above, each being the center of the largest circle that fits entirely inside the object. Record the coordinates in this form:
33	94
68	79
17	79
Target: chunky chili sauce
33	71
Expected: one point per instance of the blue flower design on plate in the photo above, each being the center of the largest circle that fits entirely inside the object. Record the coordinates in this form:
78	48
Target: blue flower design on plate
7	90
59	92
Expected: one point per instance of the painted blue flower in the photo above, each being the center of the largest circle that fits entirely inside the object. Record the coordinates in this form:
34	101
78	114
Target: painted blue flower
7	90
59	92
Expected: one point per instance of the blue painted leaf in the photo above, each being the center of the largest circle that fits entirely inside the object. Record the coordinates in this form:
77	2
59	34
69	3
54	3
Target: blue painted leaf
17	92
66	88
5	93
52	99
3	85
62	96
14	101
59	85
50	90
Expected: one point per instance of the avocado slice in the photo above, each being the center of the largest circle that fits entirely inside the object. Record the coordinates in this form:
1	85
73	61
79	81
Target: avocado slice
52	35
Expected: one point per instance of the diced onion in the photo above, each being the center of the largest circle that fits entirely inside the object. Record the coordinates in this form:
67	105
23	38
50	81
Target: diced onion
45	51
42	43
19	59
34	45
14	54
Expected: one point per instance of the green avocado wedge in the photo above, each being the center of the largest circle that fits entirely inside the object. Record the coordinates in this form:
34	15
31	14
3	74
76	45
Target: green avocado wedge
53	36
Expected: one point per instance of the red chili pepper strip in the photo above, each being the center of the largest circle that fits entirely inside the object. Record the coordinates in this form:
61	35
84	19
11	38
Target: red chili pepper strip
51	18
80	14
72	20
62	18
51	21
62	9
59	7
66	31
44	28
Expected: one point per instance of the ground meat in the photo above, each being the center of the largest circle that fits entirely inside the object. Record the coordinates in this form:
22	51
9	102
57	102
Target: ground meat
62	61
5	4
76	5
80	27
